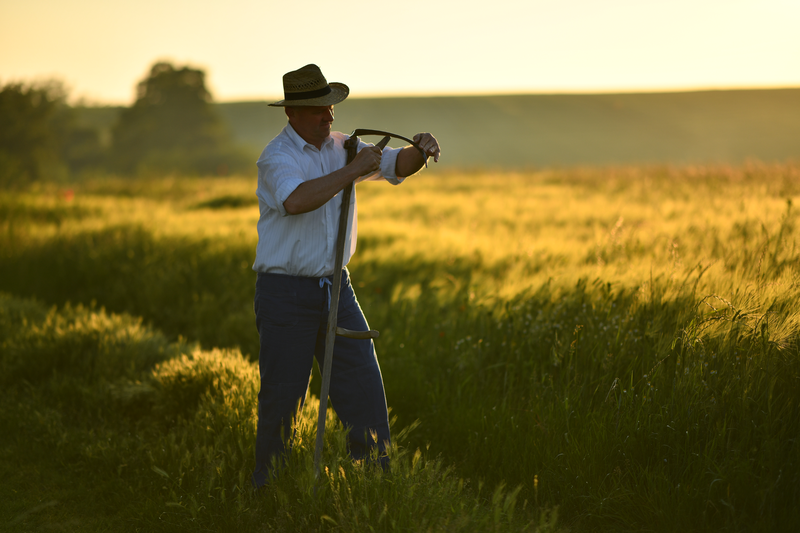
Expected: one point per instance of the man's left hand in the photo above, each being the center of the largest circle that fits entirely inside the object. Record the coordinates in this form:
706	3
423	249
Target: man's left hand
429	144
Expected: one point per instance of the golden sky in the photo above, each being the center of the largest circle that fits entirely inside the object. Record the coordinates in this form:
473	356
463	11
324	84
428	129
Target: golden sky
101	48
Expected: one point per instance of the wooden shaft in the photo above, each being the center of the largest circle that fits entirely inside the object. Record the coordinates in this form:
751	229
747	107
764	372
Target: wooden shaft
330	334
333	313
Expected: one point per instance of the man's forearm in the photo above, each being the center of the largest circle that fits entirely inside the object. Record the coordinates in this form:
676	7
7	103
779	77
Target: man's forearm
409	161
313	194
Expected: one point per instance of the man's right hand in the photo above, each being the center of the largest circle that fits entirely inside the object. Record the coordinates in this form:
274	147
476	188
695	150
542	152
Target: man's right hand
367	160
313	194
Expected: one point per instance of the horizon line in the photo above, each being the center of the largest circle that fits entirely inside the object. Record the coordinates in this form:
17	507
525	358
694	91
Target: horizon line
88	102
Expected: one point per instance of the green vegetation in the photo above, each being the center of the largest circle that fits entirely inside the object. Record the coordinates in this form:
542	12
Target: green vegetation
171	128
41	137
610	349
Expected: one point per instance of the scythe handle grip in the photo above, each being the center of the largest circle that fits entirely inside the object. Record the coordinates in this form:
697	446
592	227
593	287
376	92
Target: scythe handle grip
351	144
350	334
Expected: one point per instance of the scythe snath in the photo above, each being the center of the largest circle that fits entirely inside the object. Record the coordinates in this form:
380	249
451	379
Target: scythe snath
351	145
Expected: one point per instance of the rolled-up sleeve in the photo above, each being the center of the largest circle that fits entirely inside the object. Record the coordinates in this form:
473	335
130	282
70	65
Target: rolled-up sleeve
278	176
389	165
388	170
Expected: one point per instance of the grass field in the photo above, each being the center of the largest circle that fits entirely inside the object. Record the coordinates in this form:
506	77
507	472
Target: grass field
598	349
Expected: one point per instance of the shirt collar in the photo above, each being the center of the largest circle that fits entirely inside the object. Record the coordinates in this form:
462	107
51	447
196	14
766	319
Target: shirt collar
299	142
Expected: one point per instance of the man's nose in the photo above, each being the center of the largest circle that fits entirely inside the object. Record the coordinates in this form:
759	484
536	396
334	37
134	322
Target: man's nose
329	115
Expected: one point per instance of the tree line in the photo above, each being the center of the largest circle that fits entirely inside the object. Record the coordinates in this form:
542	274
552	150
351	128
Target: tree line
170	128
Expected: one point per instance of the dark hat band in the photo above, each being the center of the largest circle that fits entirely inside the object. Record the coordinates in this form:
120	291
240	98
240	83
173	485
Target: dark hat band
308	94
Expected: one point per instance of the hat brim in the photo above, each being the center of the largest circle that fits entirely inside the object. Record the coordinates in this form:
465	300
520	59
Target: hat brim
339	91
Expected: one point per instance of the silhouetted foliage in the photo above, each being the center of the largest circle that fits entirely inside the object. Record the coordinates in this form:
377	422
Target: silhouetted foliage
172	127
28	145
39	135
81	148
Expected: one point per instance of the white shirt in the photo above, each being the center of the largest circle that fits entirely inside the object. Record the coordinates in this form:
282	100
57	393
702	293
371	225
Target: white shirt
305	244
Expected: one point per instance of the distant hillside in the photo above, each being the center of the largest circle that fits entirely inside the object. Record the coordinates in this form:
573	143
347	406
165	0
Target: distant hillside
585	129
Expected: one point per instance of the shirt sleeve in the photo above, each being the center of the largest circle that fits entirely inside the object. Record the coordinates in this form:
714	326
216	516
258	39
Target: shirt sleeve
278	176
388	166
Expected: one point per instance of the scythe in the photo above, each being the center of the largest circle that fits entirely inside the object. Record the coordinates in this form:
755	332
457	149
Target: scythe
351	145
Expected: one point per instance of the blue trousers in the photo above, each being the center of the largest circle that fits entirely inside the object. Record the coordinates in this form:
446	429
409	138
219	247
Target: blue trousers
292	316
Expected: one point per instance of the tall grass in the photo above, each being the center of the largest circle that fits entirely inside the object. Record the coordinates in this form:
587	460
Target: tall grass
619	344
135	432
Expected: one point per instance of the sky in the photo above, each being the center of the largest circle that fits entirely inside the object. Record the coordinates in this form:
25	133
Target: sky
100	49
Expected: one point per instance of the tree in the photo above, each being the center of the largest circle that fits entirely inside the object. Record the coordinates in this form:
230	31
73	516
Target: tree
29	145
40	137
171	126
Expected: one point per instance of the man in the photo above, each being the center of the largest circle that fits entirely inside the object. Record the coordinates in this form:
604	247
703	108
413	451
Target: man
301	174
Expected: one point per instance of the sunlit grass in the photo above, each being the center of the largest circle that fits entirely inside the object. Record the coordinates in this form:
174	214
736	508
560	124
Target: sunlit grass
165	434
513	232
619	344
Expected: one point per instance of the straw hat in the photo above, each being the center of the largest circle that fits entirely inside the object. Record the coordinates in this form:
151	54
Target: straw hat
308	87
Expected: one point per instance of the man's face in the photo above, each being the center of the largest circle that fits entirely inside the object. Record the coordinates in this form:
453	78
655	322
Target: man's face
312	123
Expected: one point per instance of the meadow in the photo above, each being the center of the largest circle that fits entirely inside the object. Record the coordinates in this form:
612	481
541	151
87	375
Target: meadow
584	349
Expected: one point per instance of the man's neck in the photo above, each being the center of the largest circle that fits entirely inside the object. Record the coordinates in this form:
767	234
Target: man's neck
312	141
